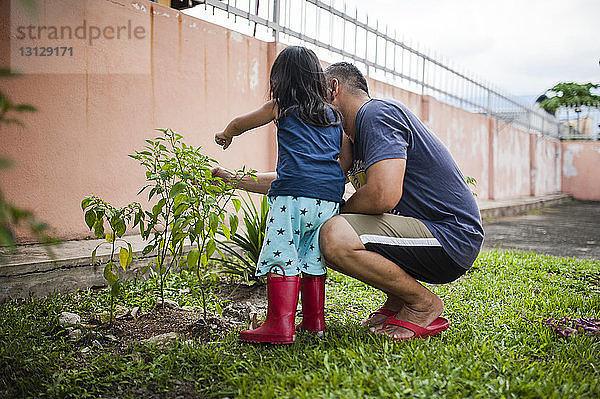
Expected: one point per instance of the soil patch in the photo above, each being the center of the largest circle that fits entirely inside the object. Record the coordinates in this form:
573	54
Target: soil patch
243	306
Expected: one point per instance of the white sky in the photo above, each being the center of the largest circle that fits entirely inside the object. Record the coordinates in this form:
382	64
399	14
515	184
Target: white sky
522	46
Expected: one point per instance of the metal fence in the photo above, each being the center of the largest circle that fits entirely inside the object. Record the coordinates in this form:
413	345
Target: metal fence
335	34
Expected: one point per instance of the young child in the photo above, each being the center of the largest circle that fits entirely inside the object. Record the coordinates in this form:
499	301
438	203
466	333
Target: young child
307	191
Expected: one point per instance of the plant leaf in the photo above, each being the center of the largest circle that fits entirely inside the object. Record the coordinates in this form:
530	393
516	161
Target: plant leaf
226	231
237	204
177	188
85	203
211	246
90	218
124	258
109	274
130	254
99	228
109	237
192	258
233	223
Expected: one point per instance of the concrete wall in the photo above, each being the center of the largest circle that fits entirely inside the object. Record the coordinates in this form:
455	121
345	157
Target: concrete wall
193	78
506	162
581	169
546	170
198	76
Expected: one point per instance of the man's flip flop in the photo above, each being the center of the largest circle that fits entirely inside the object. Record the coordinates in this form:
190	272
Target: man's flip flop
386	312
440	324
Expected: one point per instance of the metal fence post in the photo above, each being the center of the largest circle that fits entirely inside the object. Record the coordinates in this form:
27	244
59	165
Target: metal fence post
423	79
276	15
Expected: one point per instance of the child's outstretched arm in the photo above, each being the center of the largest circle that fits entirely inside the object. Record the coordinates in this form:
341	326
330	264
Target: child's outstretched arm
242	123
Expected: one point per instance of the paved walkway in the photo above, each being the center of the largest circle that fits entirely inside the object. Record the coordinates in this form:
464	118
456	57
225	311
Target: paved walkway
571	229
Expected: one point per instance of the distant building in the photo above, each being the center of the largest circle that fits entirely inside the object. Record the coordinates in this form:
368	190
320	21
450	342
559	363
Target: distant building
587	128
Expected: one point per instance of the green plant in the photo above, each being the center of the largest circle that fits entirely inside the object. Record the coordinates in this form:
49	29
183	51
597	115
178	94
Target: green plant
97	212
249	241
472	182
191	206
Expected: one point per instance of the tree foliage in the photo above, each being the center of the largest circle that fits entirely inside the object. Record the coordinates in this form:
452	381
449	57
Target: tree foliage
571	96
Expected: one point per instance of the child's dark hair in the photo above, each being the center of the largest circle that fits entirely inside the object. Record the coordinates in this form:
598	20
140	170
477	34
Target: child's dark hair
297	82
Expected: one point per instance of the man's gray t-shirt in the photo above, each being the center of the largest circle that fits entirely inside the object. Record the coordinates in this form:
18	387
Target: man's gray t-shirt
434	190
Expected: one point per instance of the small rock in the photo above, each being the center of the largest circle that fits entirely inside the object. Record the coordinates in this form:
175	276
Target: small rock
85	350
162	339
191	308
169	304
184	291
135	312
121	311
75	335
68	319
100	318
111	338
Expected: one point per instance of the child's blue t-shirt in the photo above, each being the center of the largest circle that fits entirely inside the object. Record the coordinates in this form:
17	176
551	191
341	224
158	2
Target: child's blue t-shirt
307	164
434	189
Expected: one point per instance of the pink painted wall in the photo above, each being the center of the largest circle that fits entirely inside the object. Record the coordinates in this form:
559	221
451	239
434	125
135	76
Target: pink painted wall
198	77
194	77
546	169
511	162
466	136
581	169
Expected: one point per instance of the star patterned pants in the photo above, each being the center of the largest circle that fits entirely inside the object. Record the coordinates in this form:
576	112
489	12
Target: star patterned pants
292	235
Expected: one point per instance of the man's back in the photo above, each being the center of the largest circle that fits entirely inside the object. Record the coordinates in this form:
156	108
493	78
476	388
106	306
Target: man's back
434	189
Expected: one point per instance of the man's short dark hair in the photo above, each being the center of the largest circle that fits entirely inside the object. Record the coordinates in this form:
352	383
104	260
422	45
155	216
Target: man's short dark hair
352	79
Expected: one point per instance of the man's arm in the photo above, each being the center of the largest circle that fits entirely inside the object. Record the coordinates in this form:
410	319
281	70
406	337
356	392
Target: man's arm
382	191
242	123
261	185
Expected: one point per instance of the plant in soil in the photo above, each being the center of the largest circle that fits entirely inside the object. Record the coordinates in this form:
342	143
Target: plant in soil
97	213
191	208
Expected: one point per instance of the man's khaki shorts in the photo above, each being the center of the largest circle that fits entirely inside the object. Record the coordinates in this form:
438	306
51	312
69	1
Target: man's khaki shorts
408	243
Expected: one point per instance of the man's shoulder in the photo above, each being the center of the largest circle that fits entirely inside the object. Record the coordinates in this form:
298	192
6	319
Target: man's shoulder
386	112
384	107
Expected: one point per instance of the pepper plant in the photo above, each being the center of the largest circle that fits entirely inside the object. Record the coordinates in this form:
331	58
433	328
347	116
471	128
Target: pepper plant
98	213
191	207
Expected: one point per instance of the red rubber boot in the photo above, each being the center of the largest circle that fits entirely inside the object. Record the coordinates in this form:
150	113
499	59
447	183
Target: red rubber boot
278	328
313	303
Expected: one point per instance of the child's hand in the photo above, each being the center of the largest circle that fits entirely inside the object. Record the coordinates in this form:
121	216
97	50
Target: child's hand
223	139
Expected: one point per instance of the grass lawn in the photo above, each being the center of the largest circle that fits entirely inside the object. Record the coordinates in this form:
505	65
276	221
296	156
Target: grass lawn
497	346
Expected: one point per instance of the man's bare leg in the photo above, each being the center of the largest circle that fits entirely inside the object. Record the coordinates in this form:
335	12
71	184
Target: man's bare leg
344	251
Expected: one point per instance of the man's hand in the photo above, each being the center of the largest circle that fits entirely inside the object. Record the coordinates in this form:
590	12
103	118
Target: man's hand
223	139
